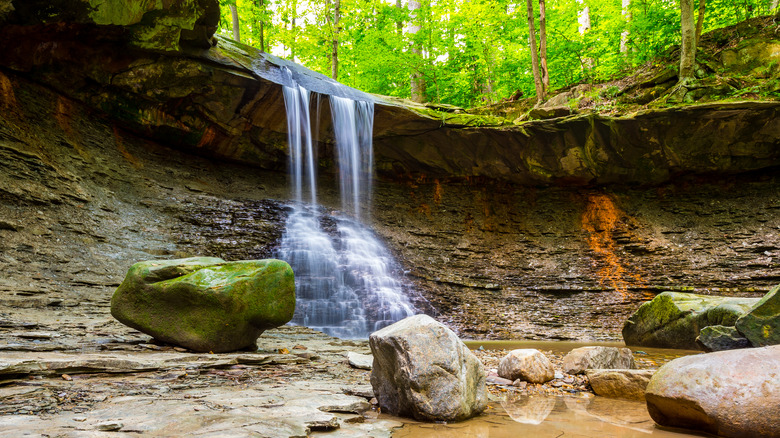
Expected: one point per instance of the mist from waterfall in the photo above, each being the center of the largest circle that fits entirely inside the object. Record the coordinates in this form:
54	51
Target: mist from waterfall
344	276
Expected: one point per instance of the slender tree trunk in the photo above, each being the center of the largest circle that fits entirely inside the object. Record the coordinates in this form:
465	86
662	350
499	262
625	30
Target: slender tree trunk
583	19
399	24
236	28
773	6
334	57
417	79
294	13
543	49
534	53
626	11
700	20
261	24
688	51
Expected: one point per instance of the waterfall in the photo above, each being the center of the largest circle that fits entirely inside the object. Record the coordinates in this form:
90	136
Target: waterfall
344	275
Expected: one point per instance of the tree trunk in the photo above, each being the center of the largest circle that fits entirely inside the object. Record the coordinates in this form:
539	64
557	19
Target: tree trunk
543	49
417	79
626	11
236	29
399	24
773	6
261	25
293	13
700	20
534	53
583	19
334	57
688	51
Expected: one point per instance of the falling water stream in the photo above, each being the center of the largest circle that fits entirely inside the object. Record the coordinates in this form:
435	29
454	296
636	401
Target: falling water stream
344	275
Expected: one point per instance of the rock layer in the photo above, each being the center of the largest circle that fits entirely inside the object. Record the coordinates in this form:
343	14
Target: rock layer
206	304
422	370
728	393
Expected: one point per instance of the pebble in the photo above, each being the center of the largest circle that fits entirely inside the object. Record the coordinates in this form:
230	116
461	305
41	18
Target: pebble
109	427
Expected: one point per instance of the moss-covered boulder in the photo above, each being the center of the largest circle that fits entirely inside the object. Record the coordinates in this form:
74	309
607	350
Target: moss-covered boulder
206	303
719	338
761	324
674	319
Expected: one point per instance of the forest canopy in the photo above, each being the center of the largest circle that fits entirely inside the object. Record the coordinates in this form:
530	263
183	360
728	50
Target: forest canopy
469	52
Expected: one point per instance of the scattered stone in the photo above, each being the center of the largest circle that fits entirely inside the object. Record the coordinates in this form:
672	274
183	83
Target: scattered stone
345	403
674	319
728	393
360	361
627	384
495	380
584	358
761	324
520	383
719	338
109	427
526	364
422	370
204	303
365	391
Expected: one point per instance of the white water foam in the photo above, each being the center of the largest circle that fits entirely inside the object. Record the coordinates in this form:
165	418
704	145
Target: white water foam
346	280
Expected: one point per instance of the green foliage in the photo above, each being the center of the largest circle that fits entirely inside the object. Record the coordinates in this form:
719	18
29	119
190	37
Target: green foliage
475	52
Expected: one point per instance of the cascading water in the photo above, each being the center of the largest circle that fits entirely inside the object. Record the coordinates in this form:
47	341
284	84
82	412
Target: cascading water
344	279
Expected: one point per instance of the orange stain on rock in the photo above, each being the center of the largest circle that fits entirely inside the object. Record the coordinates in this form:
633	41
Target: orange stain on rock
120	145
601	219
7	93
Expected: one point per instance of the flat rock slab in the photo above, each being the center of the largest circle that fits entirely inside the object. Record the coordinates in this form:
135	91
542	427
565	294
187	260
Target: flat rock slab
626	384
360	361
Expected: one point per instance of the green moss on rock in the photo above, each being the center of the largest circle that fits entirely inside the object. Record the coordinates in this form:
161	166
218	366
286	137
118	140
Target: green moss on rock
761	324
674	319
205	303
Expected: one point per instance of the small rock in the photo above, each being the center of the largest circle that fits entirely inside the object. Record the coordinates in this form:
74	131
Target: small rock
360	361
626	384
109	427
80	419
581	359
495	380
558	375
520	383
527	364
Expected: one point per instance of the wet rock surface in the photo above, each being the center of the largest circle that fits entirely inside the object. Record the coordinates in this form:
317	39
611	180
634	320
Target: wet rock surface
594	358
727	393
761	323
625	384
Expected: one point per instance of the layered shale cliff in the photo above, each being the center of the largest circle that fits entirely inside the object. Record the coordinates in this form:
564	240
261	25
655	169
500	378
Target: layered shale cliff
117	145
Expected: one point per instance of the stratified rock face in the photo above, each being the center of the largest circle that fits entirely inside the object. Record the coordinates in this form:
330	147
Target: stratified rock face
596	358
719	338
154	25
761	324
526	364
422	370
205	303
728	393
627	384
674	319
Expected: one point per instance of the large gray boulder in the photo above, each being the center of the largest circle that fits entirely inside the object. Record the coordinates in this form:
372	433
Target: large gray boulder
205	303
761	324
597	358
732	393
674	319
526	364
423	371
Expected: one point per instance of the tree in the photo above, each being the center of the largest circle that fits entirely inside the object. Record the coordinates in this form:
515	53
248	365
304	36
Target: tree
773	6
543	47
534	54
261	24
417	78
236	24
700	20
688	50
335	29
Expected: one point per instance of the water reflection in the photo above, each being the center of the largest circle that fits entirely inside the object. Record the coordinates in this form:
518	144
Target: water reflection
551	416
